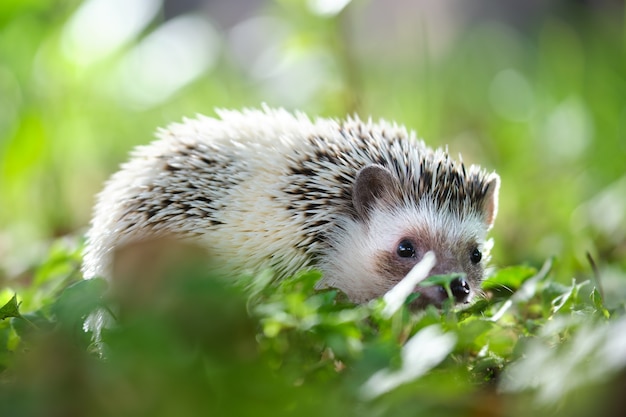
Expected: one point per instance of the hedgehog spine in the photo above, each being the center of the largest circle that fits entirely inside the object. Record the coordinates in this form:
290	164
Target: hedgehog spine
273	189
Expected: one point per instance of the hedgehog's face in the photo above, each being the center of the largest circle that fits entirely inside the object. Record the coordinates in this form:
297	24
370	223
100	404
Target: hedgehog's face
410	232
390	237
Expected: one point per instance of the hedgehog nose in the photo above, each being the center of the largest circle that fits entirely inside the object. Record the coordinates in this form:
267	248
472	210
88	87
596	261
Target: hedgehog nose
460	290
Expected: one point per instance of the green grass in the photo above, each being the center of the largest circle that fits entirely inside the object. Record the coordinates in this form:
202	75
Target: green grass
541	99
200	345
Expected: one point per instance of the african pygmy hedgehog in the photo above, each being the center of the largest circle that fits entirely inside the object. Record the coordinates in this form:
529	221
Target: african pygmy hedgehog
361	201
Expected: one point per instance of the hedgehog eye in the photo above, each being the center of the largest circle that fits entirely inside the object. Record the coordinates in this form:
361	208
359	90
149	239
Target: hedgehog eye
406	249
476	256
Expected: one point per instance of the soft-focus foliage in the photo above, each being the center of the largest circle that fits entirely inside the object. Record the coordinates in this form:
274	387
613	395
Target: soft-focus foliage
533	90
199	345
536	92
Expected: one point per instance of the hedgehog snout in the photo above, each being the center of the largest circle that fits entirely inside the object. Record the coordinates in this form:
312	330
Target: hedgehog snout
460	289
437	294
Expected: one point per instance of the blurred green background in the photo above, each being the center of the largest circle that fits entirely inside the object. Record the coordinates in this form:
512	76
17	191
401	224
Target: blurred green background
535	90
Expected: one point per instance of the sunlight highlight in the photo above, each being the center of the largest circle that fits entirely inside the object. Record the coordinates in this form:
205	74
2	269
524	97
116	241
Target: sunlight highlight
420	354
395	297
327	7
168	59
101	27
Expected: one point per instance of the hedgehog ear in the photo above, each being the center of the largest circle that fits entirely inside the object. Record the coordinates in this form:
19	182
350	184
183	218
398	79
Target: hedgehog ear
490	208
373	185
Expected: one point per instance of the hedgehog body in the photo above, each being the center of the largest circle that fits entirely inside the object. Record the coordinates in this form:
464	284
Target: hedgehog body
361	201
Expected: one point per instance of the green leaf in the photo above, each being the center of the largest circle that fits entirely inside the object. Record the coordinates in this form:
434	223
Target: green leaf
10	309
509	278
598	303
569	297
443	280
29	324
78	300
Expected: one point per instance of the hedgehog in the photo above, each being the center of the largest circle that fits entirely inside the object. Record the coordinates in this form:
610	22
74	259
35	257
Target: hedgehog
361	201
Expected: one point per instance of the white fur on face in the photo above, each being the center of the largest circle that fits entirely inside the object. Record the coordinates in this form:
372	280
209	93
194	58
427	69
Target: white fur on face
358	248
